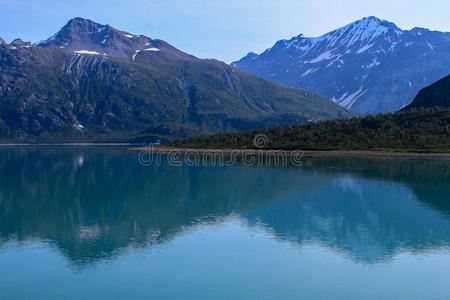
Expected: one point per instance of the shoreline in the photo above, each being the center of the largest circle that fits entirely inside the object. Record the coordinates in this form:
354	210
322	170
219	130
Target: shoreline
67	144
306	153
312	154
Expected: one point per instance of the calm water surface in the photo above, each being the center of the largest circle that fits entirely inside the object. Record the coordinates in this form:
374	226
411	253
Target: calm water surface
92	223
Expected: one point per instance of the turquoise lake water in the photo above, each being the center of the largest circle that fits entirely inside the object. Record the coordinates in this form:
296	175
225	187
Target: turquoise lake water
93	223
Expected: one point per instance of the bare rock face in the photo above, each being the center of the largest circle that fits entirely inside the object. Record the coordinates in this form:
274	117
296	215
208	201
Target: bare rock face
2	41
369	66
92	82
20	43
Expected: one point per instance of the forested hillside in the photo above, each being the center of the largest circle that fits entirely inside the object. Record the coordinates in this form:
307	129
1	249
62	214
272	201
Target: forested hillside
415	130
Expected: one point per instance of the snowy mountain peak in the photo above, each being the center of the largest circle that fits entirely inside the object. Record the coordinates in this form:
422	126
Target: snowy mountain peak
372	18
369	26
79	29
360	32
83	36
367	23
370	65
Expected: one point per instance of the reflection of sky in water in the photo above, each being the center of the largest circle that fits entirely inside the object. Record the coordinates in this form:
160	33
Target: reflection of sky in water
227	260
351	225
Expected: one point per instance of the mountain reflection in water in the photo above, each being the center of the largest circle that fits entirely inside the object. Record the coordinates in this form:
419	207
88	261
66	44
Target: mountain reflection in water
92	203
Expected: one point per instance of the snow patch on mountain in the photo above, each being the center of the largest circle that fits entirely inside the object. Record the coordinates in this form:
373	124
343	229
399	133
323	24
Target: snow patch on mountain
338	59
52	38
324	56
352	98
86	52
366	47
374	63
134	55
308	72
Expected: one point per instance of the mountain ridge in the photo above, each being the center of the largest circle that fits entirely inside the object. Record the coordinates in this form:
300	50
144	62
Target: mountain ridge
100	39
77	86
370	65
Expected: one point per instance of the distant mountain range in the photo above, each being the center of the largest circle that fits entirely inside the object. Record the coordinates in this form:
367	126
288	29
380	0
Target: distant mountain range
92	82
437	94
369	66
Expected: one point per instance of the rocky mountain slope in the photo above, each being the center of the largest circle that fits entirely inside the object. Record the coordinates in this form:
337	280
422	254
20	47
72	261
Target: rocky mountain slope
437	94
369	66
91	82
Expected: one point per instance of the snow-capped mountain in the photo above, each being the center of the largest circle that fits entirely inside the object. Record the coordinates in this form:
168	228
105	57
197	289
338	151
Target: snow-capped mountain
369	66
92	82
83	36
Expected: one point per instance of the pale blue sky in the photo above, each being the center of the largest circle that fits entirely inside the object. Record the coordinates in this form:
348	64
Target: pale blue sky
222	29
